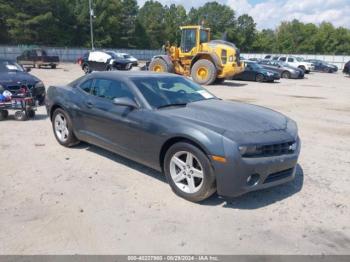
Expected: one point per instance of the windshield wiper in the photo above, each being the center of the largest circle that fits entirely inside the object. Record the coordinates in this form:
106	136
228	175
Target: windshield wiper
169	105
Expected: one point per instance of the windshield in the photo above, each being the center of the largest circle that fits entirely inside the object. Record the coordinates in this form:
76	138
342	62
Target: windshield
169	90
6	66
299	59
127	56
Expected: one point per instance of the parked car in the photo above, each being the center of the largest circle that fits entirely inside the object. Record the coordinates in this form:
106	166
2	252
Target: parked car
167	122
132	59
104	61
322	66
37	57
255	72
268	57
283	69
346	69
13	77
297	62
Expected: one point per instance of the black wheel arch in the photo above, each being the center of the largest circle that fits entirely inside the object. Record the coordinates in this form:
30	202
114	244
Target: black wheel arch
176	139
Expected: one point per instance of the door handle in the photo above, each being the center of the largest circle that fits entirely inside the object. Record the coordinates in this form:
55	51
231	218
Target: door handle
89	104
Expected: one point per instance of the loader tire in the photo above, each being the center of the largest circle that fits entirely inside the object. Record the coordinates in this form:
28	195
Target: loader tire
159	65
204	72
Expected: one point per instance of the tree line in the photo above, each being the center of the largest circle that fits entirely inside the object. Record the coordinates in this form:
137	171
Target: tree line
124	24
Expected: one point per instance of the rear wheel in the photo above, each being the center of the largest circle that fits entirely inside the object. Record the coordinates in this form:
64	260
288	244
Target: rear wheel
159	65
4	114
204	72
86	69
286	74
189	172
20	116
30	113
259	78
62	128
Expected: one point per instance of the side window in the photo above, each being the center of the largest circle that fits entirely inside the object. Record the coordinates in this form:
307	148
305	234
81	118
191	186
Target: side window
188	40
290	59
86	86
283	59
111	89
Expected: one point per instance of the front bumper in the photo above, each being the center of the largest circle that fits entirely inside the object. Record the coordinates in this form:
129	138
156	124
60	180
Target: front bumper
232	176
271	78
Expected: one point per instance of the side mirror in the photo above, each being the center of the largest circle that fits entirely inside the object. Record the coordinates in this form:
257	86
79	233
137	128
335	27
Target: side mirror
27	69
125	101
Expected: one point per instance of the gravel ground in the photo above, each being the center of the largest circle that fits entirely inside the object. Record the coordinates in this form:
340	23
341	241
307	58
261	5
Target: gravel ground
85	200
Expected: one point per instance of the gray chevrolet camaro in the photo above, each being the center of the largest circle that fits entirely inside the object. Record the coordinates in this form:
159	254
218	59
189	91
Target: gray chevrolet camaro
167	122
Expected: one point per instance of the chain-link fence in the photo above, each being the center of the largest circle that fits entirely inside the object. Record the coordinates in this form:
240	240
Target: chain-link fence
72	54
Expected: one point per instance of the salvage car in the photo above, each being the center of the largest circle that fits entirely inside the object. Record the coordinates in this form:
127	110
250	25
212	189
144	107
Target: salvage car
322	66
38	57
346	69
104	61
297	62
167	122
13	77
283	69
255	72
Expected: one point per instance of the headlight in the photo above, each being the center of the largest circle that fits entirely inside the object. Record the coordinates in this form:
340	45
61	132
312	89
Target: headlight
249	150
39	84
269	74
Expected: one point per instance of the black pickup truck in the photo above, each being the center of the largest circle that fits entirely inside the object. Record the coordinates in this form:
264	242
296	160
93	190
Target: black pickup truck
37	57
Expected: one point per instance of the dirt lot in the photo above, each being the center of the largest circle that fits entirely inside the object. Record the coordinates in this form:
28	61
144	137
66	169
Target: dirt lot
85	200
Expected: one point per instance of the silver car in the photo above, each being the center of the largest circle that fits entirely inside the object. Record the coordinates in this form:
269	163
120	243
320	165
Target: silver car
285	70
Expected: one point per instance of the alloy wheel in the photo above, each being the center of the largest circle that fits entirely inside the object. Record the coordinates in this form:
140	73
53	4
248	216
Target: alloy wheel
61	127
186	172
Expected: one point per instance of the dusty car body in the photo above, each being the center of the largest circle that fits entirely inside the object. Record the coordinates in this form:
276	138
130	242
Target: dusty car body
157	118
346	69
322	66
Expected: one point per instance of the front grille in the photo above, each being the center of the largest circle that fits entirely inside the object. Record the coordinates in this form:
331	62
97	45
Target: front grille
279	175
271	150
278	149
224	56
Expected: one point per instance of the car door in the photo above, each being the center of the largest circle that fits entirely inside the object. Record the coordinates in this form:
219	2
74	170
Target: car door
112	126
249	73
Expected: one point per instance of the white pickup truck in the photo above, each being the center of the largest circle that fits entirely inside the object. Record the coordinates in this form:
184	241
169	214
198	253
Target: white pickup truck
296	62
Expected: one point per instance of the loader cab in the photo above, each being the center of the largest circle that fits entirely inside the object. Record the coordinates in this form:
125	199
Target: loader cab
192	37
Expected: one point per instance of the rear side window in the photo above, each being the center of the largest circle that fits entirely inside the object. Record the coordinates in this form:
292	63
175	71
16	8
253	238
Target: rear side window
111	89
86	86
283	59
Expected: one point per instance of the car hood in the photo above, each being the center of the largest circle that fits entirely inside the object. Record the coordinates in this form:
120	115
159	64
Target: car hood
16	77
232	119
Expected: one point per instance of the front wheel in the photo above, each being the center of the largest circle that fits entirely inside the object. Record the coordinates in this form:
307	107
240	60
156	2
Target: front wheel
204	72
159	65
286	74
189	172
86	69
62	128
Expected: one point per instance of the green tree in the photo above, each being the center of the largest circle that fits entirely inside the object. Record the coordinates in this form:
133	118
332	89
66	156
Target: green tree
151	18
175	16
245	33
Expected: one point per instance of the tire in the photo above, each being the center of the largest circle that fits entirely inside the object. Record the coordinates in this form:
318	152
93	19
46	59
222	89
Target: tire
41	99
4	114
286	74
53	66
20	116
30	113
204	72
62	128
259	78
86	69
202	187
219	81
302	68
159	65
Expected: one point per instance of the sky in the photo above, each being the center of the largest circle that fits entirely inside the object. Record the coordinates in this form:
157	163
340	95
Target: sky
269	13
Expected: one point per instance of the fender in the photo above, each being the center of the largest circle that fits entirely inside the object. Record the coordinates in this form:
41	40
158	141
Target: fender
213	57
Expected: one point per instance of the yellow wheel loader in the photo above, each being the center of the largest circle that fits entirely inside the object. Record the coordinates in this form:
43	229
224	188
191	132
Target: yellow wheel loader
206	61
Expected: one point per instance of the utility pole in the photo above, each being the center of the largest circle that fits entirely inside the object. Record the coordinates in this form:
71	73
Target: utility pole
91	13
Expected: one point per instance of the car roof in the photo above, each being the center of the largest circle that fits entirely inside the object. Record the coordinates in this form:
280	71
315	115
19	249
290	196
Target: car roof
129	74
